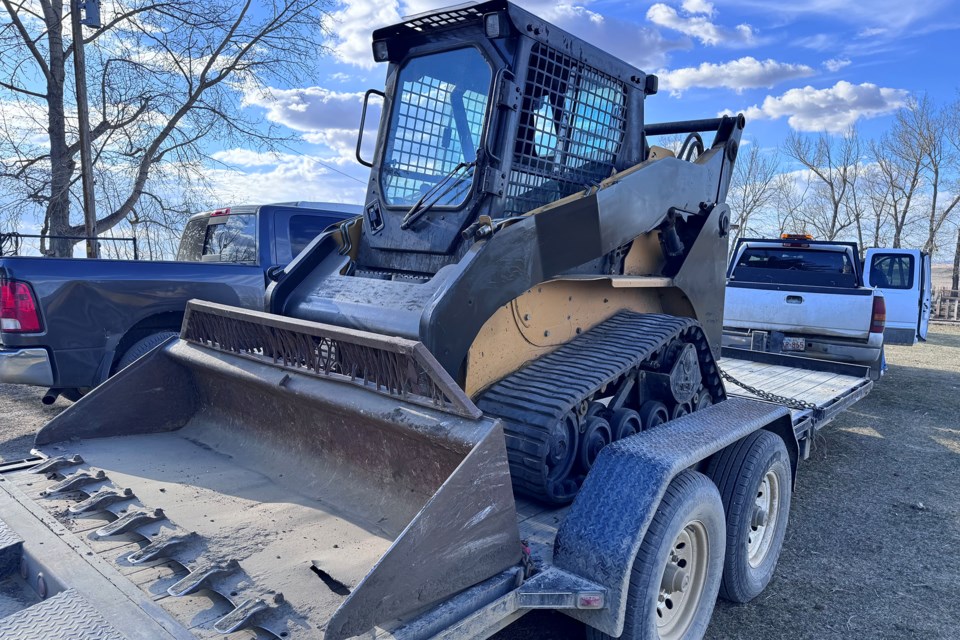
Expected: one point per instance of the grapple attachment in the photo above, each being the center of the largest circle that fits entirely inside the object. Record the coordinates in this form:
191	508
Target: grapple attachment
343	469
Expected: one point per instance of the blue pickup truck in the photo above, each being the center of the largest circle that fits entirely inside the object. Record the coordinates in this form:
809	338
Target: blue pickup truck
68	324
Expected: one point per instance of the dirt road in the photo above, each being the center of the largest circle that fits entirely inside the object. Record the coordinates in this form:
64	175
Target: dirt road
873	548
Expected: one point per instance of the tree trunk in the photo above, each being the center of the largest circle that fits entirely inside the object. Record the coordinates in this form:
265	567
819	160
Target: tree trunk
956	265
61	164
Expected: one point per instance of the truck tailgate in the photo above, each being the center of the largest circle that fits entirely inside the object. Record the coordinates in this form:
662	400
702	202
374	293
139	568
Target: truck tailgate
800	310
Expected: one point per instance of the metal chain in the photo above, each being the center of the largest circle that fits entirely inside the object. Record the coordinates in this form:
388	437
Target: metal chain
792	403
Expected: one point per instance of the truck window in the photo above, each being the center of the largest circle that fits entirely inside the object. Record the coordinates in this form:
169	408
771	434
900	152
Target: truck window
303	229
891	271
233	240
799	266
191	242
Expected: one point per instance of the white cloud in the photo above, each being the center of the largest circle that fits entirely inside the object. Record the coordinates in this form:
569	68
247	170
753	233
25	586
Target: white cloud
872	32
745	73
697	6
353	24
251	176
307	109
834	109
835	64
698	25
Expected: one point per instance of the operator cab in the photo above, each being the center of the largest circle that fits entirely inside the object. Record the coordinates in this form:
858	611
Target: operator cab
488	111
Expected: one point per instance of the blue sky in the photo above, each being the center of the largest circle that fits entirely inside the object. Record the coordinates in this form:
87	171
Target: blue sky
806	66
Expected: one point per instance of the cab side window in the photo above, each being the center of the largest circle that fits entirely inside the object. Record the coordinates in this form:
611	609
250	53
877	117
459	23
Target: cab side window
891	271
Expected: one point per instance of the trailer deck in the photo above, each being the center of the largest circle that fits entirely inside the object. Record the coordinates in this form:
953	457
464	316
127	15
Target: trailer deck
831	386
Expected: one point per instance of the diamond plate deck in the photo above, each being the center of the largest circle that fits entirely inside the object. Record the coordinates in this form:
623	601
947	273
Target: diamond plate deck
10	546
65	616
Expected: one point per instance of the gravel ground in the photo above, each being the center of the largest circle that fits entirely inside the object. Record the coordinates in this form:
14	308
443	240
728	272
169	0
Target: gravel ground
872	547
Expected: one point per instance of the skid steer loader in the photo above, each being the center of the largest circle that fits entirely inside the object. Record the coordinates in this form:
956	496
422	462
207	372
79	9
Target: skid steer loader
529	309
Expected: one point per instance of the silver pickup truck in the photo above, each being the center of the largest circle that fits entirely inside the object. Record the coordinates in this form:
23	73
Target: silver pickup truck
804	297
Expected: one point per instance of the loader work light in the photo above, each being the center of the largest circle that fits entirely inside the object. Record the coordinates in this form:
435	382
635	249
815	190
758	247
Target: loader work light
381	52
495	25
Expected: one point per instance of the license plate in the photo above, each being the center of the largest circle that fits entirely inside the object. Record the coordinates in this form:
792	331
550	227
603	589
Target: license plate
794	344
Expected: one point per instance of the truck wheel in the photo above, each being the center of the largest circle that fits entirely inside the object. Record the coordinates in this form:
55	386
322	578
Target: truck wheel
677	571
142	346
754	479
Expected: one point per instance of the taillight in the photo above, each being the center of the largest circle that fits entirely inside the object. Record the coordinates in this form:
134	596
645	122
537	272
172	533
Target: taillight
18	308
879	320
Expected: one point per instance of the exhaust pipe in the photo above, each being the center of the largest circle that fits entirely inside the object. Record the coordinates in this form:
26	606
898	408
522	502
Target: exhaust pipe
51	396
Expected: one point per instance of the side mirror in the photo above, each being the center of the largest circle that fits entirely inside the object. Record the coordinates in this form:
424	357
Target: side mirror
363	120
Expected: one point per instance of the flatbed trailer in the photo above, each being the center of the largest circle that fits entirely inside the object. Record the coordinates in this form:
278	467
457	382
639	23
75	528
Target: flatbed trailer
59	579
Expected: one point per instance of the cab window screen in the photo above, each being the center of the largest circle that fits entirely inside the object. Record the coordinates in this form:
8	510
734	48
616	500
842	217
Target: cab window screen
891	271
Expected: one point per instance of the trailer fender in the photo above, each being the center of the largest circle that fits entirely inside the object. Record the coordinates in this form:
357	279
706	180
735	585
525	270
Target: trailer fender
601	534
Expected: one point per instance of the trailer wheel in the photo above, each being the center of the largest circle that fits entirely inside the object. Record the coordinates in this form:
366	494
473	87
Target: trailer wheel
754	479
677	571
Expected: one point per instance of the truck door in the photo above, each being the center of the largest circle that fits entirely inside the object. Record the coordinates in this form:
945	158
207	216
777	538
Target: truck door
926	296
898	274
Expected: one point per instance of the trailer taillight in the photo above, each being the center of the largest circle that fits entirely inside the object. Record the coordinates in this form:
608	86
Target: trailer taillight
18	308
879	320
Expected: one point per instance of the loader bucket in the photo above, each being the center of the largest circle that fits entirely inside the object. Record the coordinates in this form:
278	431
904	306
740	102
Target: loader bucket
342	469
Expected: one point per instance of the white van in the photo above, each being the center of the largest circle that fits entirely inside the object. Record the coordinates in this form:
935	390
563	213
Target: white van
903	275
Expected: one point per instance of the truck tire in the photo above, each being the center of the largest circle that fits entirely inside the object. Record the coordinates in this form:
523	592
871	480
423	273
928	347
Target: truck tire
755	483
677	571
142	346
74	393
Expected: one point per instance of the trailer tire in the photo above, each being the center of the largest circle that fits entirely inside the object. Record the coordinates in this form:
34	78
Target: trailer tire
142	346
753	476
683	548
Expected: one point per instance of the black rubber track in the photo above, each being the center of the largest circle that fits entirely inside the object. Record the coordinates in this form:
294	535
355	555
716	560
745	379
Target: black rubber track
533	399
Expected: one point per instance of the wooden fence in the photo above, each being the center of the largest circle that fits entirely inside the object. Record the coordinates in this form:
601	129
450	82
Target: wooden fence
946	305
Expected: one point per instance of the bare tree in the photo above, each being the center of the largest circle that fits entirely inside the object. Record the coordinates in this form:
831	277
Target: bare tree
164	77
753	189
934	129
899	159
831	165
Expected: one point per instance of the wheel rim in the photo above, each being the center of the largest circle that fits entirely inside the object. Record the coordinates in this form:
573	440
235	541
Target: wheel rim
682	582
763	519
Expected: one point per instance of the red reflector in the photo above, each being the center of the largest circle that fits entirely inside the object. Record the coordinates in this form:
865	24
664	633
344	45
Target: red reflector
590	601
18	309
879	320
